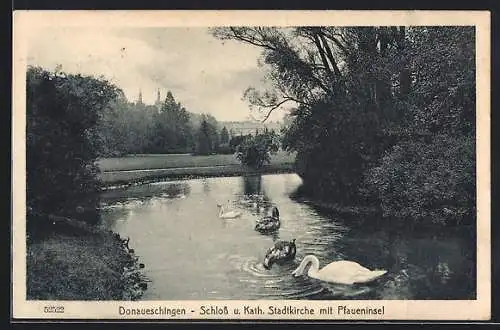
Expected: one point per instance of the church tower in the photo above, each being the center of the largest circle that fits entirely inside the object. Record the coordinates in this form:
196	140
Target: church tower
158	99
139	101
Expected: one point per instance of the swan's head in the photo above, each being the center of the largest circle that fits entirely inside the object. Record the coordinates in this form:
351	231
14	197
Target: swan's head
309	259
268	262
270	259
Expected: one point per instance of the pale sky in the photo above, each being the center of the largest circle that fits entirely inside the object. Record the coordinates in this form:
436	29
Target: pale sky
204	74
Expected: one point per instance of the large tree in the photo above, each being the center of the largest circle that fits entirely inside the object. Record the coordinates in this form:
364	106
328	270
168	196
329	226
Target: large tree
63	142
357	91
224	136
207	137
430	177
173	132
338	80
127	128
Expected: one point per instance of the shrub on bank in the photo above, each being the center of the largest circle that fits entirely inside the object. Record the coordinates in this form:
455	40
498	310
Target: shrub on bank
427	182
255	151
63	143
224	149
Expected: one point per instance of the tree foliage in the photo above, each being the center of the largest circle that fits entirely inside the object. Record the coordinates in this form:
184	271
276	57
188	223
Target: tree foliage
127	128
361	96
433	180
224	136
136	128
255	151
206	138
172	127
427	182
62	141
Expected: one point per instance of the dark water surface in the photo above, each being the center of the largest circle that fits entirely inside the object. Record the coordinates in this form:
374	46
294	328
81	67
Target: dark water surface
190	253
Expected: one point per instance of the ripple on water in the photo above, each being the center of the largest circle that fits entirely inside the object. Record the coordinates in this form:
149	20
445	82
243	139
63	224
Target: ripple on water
276	283
279	283
127	204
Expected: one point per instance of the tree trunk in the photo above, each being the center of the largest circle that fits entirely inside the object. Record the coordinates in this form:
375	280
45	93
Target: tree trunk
404	75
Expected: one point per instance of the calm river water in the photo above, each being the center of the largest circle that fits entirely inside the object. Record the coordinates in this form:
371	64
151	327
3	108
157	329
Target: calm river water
190	253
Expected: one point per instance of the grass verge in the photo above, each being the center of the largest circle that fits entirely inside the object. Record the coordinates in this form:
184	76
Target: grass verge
78	264
166	161
112	179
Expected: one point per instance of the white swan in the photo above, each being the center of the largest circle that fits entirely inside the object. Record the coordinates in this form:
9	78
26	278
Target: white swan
229	214
343	271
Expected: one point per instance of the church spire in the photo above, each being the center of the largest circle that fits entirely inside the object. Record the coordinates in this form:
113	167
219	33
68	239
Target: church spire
139	101
158	97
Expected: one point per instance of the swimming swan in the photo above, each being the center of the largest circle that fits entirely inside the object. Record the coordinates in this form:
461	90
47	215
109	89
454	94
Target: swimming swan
229	214
269	223
281	252
343	271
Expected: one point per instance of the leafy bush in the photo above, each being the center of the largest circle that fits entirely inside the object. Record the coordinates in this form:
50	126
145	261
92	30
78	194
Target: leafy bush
236	141
255	151
207	139
335	146
427	182
224	149
63	143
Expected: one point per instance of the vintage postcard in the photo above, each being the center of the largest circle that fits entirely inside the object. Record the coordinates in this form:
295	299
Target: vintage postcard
251	165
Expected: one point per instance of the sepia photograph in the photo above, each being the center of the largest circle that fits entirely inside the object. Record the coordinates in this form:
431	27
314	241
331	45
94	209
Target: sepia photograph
333	161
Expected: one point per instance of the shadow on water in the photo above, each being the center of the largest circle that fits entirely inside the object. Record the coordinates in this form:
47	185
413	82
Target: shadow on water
252	185
206	185
428	263
190	253
253	196
169	189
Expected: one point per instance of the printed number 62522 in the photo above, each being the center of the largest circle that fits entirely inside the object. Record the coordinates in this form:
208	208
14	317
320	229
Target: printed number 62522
53	309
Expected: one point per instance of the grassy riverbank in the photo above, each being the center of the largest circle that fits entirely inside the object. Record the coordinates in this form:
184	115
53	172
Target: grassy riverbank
79	263
145	168
168	161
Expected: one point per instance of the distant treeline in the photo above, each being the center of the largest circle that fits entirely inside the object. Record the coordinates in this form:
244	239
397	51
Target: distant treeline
137	128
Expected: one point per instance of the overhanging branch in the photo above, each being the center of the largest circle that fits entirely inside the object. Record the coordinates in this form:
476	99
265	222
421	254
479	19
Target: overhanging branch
276	106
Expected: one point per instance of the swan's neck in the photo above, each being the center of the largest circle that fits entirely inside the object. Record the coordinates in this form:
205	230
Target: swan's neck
313	270
221	211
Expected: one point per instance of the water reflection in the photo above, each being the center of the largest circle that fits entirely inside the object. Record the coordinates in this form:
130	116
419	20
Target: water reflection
206	185
114	214
171	190
190	253
252	184
254	197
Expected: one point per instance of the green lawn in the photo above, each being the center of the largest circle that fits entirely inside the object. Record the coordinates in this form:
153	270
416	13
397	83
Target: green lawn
64	267
139	162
